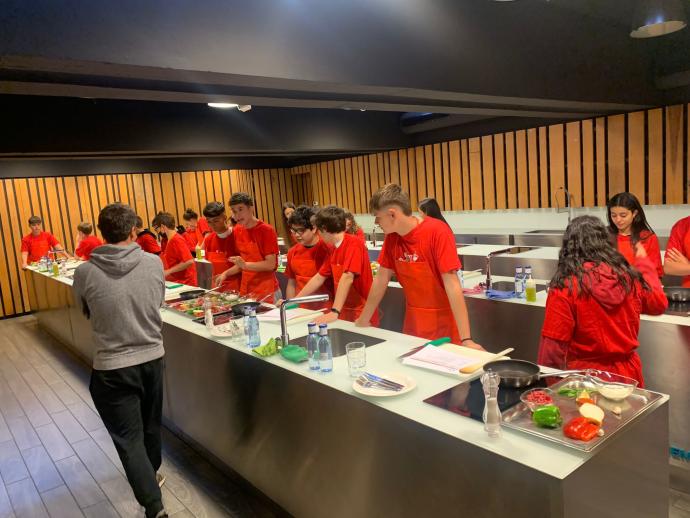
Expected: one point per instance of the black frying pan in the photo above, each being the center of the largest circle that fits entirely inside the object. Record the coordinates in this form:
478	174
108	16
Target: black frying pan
191	294
520	373
239	309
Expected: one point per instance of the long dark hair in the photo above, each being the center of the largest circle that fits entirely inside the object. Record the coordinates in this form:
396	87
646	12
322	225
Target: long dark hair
586	240
354	227
286	227
430	207
639	223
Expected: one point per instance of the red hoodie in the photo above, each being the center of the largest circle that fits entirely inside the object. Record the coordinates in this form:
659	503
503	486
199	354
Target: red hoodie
599	330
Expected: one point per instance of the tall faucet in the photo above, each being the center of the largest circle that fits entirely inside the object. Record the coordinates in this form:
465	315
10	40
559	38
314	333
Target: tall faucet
373	234
283	320
488	265
568	202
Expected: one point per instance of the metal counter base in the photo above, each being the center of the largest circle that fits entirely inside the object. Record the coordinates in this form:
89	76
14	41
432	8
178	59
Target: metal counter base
319	452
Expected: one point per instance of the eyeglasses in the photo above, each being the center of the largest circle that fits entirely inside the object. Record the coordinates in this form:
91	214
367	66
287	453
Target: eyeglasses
298	231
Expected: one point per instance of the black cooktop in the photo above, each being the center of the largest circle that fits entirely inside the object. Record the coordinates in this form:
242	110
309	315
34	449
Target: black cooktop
467	398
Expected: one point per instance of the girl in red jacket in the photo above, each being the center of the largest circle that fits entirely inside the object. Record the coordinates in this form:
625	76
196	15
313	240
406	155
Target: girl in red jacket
595	299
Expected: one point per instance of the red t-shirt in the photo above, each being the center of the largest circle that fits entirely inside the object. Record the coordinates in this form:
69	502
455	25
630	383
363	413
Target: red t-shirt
360	234
147	241
650	243
193	238
352	255
431	242
202	226
225	246
677	240
317	254
38	246
177	252
266	239
87	245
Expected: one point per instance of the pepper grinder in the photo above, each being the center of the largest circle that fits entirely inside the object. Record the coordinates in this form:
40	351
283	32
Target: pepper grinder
492	415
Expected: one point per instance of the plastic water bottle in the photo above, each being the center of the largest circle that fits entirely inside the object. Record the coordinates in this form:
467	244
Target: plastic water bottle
492	413
252	330
519	288
313	346
208	313
530	286
325	349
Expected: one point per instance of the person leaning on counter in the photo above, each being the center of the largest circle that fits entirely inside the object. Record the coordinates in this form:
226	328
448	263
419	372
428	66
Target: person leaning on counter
628	226
86	242
147	239
305	259
38	243
677	257
593	308
257	245
348	266
424	258
219	245
193	233
177	259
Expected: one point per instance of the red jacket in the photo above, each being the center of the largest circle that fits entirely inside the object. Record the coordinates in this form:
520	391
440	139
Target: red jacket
599	330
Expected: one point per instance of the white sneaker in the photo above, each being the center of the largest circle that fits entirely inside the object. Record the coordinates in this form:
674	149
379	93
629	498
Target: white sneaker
160	478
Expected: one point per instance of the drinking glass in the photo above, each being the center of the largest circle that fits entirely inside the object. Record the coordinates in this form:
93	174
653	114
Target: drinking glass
356	358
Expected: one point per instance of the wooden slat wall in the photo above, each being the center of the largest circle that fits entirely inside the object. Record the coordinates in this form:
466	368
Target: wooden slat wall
65	202
645	152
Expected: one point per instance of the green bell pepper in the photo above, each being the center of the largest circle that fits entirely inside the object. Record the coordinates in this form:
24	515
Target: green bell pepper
547	416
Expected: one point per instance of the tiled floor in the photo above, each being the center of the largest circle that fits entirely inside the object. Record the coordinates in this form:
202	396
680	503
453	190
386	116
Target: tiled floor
57	459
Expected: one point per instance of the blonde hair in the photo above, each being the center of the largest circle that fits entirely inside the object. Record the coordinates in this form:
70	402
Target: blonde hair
391	194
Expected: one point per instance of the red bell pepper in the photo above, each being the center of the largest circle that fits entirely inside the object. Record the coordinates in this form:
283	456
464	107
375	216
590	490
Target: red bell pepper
581	429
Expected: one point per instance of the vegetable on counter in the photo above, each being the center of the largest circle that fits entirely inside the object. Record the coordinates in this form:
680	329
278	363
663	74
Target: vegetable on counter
592	412
581	429
567	392
583	397
548	416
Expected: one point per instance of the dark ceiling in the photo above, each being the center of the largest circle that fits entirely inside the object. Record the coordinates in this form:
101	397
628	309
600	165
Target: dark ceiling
126	82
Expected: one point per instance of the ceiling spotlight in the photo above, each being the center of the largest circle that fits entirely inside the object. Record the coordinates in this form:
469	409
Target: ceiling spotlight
657	17
223	106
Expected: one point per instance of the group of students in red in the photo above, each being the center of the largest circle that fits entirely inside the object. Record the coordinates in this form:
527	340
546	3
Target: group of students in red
606	275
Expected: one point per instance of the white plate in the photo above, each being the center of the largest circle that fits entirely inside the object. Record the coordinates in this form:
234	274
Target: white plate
397	377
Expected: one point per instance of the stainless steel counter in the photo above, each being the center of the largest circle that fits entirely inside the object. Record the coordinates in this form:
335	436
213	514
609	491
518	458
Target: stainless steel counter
319	451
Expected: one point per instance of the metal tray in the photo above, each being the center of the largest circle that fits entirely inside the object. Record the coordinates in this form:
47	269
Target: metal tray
520	417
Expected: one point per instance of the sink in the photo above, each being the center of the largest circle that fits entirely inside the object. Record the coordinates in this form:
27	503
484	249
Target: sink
516	250
510	286
559	232
340	338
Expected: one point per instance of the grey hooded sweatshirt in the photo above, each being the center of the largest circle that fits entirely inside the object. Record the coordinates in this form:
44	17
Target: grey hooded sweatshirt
121	289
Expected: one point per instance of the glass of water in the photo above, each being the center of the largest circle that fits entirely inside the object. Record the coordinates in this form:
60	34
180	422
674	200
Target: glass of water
356	358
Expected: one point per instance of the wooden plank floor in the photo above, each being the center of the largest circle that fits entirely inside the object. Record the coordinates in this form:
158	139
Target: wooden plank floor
57	459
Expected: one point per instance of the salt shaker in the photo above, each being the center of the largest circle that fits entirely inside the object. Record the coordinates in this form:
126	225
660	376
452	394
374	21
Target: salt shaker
492	414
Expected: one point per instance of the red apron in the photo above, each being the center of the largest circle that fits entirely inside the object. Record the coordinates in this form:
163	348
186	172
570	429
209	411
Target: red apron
427	312
258	284
686	253
220	263
354	304
304	270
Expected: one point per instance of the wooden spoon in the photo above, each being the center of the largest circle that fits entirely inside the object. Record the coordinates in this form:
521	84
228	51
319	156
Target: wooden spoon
469	369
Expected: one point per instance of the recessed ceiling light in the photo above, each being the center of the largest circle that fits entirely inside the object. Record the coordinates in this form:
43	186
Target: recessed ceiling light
658	17
223	106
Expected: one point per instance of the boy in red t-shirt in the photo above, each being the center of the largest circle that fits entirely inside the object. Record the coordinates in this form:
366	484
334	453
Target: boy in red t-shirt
349	267
178	262
306	258
39	243
86	242
257	248
146	239
220	247
423	257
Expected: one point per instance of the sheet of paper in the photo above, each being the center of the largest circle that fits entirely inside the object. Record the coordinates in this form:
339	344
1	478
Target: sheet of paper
433	358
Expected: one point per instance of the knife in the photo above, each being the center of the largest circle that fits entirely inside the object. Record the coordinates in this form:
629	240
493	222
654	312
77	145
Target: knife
437	342
379	379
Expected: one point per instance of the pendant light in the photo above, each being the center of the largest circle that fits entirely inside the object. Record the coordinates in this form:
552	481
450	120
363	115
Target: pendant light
657	17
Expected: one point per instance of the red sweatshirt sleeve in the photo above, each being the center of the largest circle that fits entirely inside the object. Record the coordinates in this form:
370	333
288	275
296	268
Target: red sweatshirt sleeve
677	237
559	317
654	301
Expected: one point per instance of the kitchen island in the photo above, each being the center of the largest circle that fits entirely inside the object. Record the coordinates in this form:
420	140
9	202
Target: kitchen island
317	448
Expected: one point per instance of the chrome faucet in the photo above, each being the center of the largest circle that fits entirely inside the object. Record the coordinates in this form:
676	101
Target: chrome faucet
283	320
568	202
373	234
488	265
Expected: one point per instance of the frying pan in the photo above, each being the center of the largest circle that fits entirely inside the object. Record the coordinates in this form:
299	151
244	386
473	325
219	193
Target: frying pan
521	373
191	294
677	293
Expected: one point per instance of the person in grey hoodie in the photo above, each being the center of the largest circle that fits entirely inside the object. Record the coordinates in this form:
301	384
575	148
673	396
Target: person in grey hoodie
121	290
